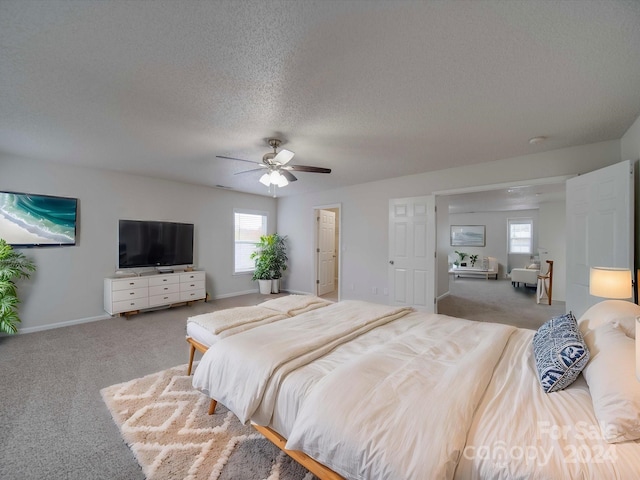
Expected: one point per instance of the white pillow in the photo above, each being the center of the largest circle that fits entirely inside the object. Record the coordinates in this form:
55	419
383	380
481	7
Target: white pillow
615	391
620	311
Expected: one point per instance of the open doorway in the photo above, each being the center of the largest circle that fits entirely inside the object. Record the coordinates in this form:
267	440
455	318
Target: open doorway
491	207
327	252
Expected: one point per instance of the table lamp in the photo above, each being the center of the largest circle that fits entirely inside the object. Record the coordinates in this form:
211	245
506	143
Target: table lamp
615	283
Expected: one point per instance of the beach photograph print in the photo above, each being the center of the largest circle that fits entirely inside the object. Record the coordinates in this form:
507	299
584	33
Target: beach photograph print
32	220
467	235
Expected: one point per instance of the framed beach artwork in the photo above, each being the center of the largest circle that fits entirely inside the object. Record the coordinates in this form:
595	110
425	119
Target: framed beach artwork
467	235
31	220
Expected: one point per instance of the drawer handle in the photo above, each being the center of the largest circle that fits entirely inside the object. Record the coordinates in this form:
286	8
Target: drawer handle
192	285
132	303
165	298
131	293
132	283
166	288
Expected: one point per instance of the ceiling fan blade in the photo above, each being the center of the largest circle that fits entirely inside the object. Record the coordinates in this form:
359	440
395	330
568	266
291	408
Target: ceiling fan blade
288	175
305	168
239	159
252	170
283	157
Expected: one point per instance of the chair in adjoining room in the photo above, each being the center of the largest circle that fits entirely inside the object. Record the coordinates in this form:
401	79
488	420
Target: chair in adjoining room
545	284
526	276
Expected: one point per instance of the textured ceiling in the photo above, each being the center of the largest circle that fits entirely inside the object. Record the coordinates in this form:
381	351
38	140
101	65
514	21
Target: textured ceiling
371	89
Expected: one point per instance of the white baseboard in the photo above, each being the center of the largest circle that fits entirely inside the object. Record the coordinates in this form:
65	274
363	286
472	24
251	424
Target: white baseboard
235	294
444	295
68	323
296	292
79	321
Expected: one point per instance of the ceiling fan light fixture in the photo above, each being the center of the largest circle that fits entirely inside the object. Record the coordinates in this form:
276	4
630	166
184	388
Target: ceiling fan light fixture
274	178
278	179
278	171
265	179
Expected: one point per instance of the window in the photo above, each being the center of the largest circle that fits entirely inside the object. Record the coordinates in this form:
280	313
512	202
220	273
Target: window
249	227
521	235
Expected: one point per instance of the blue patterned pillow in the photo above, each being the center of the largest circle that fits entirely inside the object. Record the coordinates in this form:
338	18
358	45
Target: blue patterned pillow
560	352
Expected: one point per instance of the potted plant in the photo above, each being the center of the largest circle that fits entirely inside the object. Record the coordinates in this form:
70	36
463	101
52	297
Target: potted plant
462	256
13	265
262	271
474	259
279	261
270	261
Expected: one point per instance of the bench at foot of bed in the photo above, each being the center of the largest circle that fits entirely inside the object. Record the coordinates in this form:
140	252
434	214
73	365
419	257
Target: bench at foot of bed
193	346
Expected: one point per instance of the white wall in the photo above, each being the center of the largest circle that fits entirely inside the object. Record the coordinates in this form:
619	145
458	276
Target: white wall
365	212
630	150
442	246
630	142
68	283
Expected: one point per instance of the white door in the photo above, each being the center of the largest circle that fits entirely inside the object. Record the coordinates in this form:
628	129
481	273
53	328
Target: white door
599	229
326	251
412	242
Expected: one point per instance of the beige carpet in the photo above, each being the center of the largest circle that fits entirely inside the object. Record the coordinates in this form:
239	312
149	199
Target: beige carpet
165	423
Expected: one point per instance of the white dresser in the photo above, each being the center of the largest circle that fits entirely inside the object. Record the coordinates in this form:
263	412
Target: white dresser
132	294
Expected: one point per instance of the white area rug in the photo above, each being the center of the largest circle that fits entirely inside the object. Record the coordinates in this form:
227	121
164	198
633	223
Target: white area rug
164	421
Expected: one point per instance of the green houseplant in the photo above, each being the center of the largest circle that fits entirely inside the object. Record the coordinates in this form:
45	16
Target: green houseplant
13	266
279	261
474	259
461	256
270	261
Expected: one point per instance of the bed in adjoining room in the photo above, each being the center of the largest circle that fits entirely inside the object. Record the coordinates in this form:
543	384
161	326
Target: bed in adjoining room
370	391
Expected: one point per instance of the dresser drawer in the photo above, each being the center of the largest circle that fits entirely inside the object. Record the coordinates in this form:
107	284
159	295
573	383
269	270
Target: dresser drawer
134	293
191	277
193	285
164	289
164	280
129	283
130	305
192	295
164	299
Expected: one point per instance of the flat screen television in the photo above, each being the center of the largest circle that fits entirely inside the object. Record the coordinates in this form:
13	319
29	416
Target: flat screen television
30	220
145	243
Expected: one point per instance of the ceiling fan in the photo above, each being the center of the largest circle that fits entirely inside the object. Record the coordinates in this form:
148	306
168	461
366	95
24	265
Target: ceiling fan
276	166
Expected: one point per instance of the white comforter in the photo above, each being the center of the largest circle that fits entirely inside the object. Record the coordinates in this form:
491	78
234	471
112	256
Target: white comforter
243	372
402	411
521	433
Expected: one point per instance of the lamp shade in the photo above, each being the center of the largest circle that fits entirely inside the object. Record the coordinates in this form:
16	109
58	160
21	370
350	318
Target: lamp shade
610	282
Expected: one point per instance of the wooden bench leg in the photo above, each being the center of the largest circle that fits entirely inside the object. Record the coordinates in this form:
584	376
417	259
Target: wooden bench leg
192	351
212	406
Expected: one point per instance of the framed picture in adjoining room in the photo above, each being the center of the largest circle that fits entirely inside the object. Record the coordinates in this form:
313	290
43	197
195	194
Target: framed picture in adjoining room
468	235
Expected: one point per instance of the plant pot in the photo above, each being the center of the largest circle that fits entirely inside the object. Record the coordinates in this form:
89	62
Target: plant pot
265	286
275	285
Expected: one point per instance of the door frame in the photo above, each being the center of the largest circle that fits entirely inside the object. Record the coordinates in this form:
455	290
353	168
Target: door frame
482	188
314	253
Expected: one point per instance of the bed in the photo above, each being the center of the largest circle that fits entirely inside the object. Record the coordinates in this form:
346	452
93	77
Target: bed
367	391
